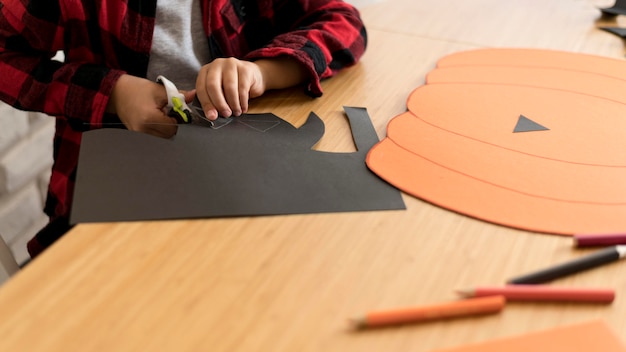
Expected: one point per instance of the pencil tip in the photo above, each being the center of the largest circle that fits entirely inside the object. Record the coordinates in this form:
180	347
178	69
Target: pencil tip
358	323
465	292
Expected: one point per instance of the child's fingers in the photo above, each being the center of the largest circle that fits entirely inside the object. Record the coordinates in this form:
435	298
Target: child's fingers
230	86
210	81
203	96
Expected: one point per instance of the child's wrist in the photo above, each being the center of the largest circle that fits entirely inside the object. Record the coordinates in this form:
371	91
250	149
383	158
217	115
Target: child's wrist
281	72
117	87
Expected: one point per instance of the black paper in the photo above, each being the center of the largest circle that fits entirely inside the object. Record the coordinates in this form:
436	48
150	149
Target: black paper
619	8
620	32
256	164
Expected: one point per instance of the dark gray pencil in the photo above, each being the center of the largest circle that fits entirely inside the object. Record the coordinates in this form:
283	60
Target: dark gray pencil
577	265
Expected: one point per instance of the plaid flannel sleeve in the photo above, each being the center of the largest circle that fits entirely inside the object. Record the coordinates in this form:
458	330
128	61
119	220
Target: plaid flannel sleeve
31	33
326	36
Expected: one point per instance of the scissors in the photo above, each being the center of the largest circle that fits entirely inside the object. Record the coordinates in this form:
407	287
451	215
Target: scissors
177	107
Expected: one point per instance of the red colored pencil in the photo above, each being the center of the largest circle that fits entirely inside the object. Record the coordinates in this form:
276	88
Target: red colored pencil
543	293
607	239
471	306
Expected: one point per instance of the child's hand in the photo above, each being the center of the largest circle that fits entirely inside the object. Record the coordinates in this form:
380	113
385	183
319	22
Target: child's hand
140	104
225	85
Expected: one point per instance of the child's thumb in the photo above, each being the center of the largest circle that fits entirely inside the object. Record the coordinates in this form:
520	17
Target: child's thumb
189	95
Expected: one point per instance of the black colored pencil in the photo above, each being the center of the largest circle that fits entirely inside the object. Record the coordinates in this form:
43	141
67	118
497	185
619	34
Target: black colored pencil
577	265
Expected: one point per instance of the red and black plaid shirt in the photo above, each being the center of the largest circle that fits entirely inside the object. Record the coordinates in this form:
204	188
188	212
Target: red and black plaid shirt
103	39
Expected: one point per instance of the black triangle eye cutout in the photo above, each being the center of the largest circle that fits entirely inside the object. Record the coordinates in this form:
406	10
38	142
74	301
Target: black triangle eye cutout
524	124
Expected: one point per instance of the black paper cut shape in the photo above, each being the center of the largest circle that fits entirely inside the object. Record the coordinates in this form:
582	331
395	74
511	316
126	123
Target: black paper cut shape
619	8
524	124
620	32
258	164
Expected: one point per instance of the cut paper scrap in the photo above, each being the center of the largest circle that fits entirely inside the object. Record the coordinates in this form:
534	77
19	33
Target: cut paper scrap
456	147
258	164
618	31
592	336
618	8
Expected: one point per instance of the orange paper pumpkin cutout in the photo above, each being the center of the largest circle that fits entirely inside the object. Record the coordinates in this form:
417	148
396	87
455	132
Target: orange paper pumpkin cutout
594	335
532	139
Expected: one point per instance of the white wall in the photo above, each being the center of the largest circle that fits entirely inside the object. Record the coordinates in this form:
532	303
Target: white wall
25	161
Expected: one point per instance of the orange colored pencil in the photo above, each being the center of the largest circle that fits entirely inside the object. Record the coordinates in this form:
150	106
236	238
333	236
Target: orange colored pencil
465	307
543	293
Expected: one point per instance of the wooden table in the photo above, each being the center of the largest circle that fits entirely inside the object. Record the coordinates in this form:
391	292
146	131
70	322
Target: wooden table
290	283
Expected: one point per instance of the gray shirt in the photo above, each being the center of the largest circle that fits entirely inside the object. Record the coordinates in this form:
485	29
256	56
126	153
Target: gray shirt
179	45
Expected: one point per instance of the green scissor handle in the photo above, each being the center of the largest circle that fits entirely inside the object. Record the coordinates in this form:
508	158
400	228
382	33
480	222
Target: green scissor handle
178	109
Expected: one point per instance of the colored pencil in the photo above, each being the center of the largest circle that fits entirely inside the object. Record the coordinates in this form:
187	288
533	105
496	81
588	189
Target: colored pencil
542	293
598	258
608	239
465	307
